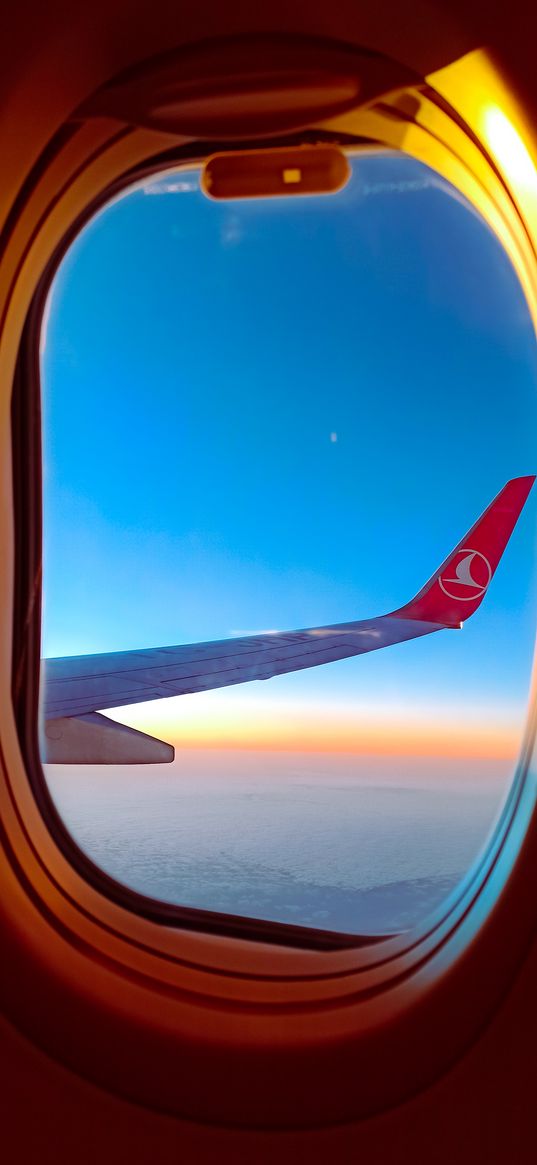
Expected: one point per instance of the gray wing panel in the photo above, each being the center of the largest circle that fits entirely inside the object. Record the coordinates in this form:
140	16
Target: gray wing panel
79	684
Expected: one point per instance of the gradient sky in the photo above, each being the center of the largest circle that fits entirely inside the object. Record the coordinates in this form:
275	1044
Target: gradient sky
282	413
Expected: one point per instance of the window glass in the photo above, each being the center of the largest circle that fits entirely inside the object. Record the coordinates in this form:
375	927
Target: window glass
268	415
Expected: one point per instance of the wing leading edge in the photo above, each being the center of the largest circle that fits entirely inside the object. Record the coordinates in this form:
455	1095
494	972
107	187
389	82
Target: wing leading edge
76	687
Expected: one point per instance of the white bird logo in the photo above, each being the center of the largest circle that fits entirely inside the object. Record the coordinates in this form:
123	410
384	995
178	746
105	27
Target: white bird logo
463	577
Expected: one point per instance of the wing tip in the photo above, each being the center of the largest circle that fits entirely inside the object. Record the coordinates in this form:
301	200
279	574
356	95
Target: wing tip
450	600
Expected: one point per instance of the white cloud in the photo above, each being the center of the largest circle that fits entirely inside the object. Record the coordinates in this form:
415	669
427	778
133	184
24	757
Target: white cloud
171	186
405	186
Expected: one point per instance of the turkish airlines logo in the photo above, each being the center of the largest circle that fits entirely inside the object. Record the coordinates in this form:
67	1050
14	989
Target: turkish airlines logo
467	576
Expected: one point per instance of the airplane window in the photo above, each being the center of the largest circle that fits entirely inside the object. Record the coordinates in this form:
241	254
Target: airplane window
270	426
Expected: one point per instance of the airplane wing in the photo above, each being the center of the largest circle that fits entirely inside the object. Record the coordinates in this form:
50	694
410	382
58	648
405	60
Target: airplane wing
75	688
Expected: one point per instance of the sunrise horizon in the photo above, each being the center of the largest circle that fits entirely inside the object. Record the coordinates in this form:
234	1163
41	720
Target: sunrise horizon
215	720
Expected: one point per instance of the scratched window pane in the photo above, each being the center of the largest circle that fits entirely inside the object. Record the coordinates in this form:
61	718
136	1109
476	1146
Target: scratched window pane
267	424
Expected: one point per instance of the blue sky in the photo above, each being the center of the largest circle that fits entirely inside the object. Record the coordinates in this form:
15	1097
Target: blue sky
282	413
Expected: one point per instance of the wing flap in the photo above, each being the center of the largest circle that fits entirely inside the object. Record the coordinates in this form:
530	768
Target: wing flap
96	740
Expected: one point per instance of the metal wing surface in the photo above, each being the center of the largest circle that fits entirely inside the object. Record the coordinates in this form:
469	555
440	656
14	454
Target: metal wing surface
76	688
79	684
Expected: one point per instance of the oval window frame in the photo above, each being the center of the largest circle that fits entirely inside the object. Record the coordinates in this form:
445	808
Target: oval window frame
241	1008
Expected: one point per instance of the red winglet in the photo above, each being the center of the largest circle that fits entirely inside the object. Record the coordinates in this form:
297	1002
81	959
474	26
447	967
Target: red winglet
458	587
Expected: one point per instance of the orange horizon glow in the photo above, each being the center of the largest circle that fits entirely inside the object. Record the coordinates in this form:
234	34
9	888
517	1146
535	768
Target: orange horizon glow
216	720
467	746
